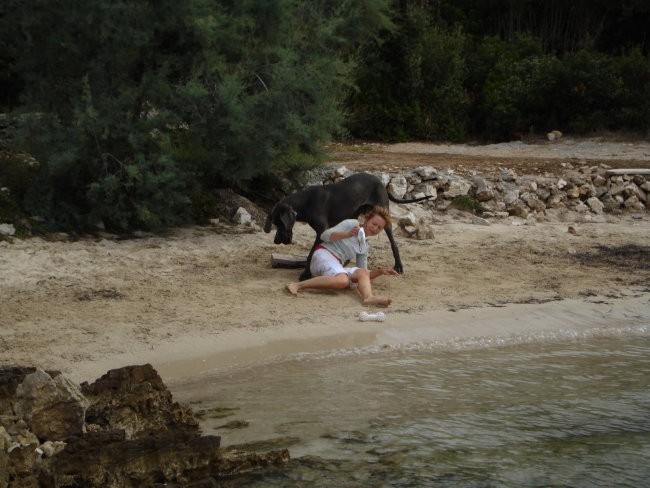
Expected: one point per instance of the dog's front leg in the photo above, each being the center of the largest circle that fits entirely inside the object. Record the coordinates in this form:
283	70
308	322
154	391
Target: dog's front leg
319	228
306	273
393	245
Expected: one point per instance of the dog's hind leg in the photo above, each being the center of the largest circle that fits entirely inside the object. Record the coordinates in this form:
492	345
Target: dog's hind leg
393	245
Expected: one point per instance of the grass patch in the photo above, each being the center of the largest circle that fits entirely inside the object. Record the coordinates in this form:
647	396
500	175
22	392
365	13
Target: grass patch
467	203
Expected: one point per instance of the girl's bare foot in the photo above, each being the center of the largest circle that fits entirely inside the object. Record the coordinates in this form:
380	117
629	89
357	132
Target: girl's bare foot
292	288
377	301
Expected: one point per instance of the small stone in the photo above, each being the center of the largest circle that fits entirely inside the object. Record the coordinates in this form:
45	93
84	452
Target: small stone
398	186
7	229
554	135
343	172
410	229
424	231
573	192
581	207
508	175
50	448
479	221
426	172
595	205
408	219
242	217
519	209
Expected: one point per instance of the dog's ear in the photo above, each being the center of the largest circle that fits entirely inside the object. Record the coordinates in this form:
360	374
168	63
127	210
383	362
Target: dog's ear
288	217
268	223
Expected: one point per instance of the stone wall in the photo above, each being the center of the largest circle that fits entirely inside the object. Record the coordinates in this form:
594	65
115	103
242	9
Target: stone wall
588	191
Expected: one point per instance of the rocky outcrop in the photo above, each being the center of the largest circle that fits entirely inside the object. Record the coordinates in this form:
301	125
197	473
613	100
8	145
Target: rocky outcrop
123	430
52	406
135	401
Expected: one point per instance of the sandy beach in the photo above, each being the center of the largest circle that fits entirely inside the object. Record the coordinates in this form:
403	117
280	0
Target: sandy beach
200	298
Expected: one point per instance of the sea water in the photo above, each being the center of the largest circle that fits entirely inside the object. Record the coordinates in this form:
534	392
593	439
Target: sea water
573	412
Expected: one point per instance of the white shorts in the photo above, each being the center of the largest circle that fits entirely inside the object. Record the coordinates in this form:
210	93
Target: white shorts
324	263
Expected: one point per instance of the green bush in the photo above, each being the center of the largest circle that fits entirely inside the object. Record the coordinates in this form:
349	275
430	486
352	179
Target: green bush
577	93
632	109
411	85
10	211
133	107
505	75
18	171
449	71
205	206
583	91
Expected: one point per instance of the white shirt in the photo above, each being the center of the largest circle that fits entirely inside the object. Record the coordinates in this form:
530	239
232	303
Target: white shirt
355	247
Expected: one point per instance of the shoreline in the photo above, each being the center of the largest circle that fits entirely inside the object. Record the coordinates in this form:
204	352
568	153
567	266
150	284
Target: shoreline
190	359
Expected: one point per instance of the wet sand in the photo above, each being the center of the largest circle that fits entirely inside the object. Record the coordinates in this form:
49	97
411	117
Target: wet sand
471	327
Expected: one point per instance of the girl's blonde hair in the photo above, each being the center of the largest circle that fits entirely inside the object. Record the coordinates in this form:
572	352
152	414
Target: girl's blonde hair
381	211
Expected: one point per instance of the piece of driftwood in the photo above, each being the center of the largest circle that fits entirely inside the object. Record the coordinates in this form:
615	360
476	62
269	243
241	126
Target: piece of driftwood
288	261
629	171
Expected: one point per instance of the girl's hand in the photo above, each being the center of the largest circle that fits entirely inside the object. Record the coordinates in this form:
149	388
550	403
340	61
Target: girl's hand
353	231
382	271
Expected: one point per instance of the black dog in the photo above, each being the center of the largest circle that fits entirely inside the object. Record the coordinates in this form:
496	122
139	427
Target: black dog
324	206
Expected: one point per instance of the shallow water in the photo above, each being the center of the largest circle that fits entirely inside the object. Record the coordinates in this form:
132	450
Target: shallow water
572	412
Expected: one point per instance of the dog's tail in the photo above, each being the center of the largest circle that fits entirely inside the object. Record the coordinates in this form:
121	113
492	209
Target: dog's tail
411	200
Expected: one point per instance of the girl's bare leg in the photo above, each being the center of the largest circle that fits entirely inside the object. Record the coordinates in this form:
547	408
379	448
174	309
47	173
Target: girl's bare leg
319	282
362	278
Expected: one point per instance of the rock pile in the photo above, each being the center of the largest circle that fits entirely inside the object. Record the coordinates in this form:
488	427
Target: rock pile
587	190
123	430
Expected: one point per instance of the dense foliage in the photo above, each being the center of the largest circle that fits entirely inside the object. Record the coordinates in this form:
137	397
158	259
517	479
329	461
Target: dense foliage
504	69
135	110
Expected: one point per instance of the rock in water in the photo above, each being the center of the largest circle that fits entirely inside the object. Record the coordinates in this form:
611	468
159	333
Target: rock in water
123	430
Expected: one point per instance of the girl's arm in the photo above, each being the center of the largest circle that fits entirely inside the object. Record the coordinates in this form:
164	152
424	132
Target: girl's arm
342	230
337	236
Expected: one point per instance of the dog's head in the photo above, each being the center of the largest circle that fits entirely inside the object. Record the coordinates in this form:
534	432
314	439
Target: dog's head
283	216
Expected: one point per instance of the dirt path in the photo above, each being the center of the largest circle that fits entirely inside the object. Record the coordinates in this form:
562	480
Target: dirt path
529	159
